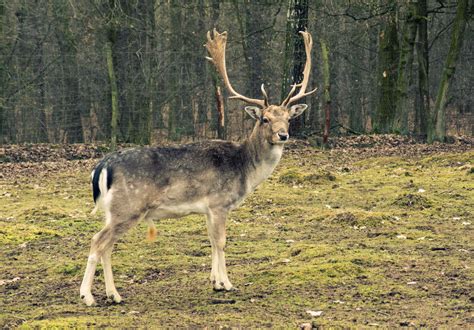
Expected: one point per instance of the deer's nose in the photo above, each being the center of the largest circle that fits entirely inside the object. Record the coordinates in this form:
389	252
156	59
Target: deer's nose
283	136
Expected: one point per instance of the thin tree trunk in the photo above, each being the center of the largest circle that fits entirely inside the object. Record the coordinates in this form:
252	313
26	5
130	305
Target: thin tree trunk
185	114
71	108
327	88
201	71
220	113
2	74
405	65
387	73
181	120
149	58
297	20
372	79
254	44
174	86
66	41
219	120
422	111
437	130
356	91
113	94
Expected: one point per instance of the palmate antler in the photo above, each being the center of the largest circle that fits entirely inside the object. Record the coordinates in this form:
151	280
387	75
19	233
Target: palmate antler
215	45
308	44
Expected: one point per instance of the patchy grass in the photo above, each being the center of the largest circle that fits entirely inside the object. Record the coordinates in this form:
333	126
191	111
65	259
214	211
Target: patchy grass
380	241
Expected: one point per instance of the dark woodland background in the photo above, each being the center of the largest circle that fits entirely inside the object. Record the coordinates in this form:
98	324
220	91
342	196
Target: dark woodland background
99	70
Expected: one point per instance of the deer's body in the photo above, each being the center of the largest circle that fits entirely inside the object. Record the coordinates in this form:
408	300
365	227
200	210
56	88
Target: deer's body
210	178
177	181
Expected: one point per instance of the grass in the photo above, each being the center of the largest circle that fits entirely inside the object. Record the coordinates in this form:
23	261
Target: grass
381	241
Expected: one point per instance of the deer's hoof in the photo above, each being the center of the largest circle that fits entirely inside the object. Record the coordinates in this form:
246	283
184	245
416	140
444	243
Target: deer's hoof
223	286
115	298
88	299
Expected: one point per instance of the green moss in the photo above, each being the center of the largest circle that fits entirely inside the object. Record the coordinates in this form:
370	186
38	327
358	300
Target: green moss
413	201
69	269
291	177
361	219
295	177
21	233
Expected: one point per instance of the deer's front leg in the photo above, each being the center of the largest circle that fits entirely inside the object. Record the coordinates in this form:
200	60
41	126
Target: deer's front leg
216	228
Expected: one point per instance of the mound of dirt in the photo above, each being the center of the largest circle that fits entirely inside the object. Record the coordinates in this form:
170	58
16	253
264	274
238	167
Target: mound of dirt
413	201
292	177
359	220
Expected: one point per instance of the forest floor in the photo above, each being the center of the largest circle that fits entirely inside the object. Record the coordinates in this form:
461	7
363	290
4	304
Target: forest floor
374	232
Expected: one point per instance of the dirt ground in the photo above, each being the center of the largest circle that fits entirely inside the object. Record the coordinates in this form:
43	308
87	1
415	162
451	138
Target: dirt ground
376	231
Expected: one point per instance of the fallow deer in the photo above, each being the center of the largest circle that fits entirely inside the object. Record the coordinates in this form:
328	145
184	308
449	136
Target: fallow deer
211	177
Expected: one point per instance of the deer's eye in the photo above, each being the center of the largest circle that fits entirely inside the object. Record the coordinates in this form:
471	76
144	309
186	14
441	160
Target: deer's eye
266	120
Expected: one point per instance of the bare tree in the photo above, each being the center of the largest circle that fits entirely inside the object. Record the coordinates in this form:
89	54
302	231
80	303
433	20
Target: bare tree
437	128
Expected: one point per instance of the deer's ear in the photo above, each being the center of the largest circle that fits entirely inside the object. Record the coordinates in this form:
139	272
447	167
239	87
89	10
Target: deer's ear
254	112
297	110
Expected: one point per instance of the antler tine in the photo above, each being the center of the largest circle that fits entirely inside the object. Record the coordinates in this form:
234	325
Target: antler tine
292	91
308	44
265	95
215	46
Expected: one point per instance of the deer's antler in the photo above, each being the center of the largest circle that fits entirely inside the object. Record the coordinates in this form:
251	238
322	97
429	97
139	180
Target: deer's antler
308	44
215	45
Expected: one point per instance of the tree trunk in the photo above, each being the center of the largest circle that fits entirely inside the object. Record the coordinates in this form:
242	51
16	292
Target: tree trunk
372	79
71	108
437	129
181	120
355	89
327	88
255	40
422	111
2	74
201	71
218	117
174	75
297	20
113	94
149	64
220	113
387	73
405	65
71	112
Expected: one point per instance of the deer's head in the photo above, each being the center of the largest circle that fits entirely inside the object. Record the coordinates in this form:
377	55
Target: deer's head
272	120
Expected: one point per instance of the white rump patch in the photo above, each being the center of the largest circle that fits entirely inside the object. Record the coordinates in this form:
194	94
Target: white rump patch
103	198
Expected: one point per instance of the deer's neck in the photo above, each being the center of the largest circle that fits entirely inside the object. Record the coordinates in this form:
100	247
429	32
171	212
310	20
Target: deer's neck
262	157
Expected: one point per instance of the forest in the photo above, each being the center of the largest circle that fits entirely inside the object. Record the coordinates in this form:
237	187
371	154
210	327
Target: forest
135	71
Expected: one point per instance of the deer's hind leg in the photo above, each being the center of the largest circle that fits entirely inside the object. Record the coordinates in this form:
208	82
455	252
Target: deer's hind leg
101	249
110	289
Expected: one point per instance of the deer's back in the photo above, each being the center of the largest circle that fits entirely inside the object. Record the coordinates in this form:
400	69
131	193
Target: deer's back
175	181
